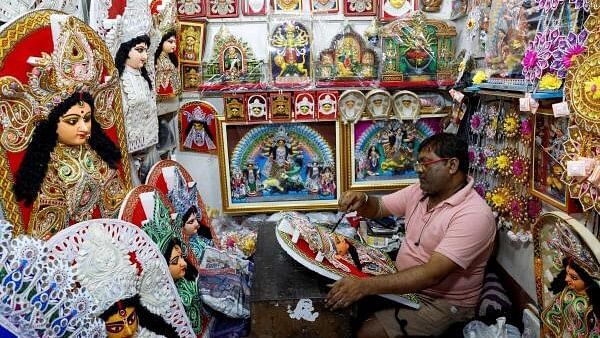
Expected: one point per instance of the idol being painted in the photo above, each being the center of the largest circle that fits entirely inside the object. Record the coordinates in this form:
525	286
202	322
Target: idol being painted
71	169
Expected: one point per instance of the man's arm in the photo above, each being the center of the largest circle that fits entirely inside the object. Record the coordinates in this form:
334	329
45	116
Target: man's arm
348	290
363	204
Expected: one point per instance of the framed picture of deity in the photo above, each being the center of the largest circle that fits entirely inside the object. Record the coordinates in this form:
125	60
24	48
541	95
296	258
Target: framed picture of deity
254	7
191	41
347	62
222	8
380	154
197	127
394	9
360	7
279	166
551	133
424	61
187	9
287	6
567	275
324	6
290	54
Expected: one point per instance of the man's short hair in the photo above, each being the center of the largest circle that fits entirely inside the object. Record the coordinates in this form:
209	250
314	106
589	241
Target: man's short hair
448	145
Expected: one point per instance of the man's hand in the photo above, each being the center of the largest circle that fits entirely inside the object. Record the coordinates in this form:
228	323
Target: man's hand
352	201
345	292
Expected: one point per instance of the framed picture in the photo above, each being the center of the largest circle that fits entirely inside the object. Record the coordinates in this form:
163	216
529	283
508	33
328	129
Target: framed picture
197	127
425	61
360	7
280	106
545	182
394	9
287	6
222	8
234	107
191	43
187	9
254	7
191	77
257	107
279	166
324	6
290	54
380	154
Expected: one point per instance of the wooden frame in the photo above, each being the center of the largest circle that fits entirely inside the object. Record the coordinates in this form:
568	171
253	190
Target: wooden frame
222	8
389	10
197	127
267	167
190	9
360	7
191	41
290	53
250	7
546	169
392	165
324	7
287	6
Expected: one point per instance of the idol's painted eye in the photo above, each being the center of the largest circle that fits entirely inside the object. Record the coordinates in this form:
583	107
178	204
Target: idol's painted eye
115	327
141	49
132	318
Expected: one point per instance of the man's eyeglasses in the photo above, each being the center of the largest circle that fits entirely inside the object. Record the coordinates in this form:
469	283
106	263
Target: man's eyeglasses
421	166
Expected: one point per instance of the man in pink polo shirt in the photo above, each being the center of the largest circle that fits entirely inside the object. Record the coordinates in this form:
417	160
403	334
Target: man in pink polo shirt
450	234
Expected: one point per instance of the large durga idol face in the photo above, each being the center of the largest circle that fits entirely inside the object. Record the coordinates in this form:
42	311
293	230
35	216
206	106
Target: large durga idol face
75	126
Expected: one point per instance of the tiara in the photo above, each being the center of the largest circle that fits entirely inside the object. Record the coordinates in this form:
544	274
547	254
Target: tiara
114	260
73	66
181	197
565	241
135	21
160	227
38	294
199	115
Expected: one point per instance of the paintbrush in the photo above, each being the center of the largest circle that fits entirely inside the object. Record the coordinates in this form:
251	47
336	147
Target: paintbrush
339	221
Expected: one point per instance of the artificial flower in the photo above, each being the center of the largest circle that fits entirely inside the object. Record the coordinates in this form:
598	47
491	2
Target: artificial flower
462	65
581	4
526	130
470	25
550	82
511	125
549	5
569	47
538	54
592	87
479	77
480	187
503	162
477	123
490	163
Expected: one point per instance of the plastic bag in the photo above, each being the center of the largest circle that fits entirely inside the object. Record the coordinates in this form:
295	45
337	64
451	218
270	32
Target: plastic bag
478	329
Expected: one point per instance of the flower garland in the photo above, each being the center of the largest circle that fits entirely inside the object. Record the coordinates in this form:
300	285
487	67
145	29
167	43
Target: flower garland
510	125
569	47
539	52
478	123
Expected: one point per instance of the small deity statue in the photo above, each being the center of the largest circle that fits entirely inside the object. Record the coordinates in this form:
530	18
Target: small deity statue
238	188
328	181
313	177
139	105
251	178
373	158
168	83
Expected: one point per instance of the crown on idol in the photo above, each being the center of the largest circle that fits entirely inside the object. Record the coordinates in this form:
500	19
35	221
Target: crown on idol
183	197
565	241
74	66
197	114
38	292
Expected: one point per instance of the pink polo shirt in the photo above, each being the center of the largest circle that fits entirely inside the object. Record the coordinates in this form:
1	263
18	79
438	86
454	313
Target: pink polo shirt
462	228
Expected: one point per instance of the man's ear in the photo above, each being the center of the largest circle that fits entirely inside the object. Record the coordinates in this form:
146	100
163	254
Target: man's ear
453	165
